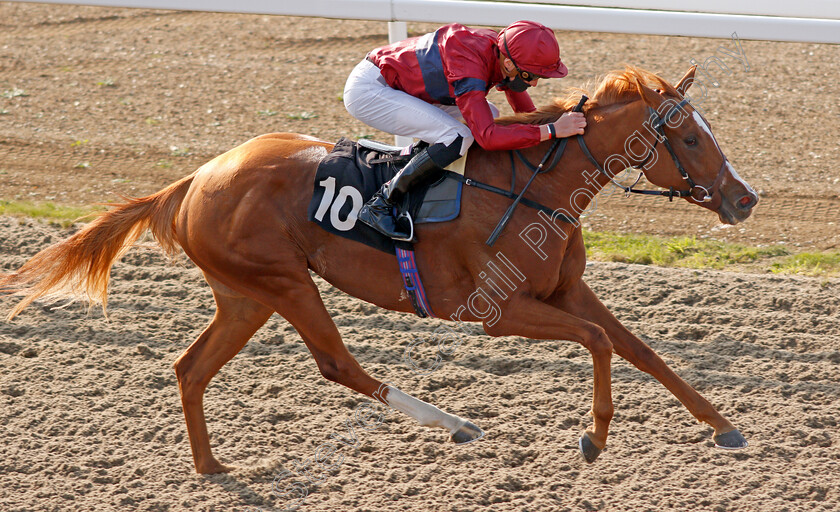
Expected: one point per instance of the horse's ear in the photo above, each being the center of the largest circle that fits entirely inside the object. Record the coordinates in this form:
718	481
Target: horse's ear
686	81
650	96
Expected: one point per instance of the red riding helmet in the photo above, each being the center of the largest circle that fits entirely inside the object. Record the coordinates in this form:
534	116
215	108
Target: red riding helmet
532	47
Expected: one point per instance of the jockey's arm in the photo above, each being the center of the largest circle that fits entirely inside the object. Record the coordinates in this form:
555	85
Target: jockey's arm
488	134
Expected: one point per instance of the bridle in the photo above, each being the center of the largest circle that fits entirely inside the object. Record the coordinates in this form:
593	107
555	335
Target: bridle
557	148
659	126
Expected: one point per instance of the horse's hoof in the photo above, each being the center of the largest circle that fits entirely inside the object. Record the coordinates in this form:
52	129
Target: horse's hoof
467	433
588	449
732	440
214	467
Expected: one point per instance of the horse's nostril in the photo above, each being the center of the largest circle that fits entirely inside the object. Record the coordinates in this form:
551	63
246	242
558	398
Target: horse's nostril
747	202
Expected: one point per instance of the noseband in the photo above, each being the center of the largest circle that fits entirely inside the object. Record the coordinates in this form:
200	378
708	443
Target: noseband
659	126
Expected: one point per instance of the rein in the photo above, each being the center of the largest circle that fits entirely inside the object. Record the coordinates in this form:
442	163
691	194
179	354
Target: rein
560	146
511	195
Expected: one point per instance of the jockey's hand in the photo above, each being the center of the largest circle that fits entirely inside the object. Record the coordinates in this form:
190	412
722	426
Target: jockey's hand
570	123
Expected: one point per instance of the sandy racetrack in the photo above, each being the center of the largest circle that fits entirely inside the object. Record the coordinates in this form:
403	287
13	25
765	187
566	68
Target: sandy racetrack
91	417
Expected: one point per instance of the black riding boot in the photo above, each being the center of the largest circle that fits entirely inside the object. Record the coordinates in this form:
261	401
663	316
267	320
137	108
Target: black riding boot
378	212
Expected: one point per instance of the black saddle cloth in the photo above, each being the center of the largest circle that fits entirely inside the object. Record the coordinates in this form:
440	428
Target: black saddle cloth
350	175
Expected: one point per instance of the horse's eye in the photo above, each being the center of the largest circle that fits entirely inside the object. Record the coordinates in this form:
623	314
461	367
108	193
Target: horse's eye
690	140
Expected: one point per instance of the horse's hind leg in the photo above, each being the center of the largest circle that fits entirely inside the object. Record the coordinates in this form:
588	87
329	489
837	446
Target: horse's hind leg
237	318
297	299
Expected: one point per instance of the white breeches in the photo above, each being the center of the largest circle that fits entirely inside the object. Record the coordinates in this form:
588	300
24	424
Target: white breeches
369	99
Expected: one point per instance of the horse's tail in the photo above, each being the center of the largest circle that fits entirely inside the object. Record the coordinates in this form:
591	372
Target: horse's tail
81	264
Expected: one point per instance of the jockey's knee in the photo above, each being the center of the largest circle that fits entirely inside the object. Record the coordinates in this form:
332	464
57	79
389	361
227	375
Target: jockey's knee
361	88
443	154
350	103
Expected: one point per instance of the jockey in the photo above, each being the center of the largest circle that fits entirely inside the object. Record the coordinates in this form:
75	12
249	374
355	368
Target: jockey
429	86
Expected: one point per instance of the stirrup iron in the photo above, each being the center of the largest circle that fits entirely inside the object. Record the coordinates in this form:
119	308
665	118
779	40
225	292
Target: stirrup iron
410	237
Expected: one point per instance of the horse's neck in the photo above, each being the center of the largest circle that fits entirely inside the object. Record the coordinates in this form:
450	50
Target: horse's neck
575	180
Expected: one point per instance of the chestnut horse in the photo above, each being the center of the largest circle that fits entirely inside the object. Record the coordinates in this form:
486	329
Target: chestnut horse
242	218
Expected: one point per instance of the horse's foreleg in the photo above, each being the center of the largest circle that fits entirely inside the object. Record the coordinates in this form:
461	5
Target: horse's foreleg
237	318
527	316
582	301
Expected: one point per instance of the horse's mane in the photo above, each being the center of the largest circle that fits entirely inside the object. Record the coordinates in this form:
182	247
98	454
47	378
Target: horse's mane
618	86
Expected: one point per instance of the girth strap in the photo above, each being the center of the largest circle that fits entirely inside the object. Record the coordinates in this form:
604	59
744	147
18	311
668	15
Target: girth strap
412	283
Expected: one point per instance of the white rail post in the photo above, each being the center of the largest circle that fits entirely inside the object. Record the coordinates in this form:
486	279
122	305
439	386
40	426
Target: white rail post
397	31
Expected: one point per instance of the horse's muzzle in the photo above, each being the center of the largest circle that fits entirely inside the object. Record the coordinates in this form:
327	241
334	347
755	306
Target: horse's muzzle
737	197
733	212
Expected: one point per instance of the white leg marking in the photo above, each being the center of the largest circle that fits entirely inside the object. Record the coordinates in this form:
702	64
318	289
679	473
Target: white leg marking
426	414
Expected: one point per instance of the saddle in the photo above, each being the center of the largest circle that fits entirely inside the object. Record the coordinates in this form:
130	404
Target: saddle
350	175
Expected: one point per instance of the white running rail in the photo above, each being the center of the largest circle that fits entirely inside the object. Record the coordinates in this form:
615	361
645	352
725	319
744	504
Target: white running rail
816	21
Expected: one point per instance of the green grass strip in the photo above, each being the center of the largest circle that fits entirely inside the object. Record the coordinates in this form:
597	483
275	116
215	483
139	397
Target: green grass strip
825	264
60	214
688	252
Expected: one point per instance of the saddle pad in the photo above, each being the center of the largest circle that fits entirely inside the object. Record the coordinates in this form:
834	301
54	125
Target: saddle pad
346	179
